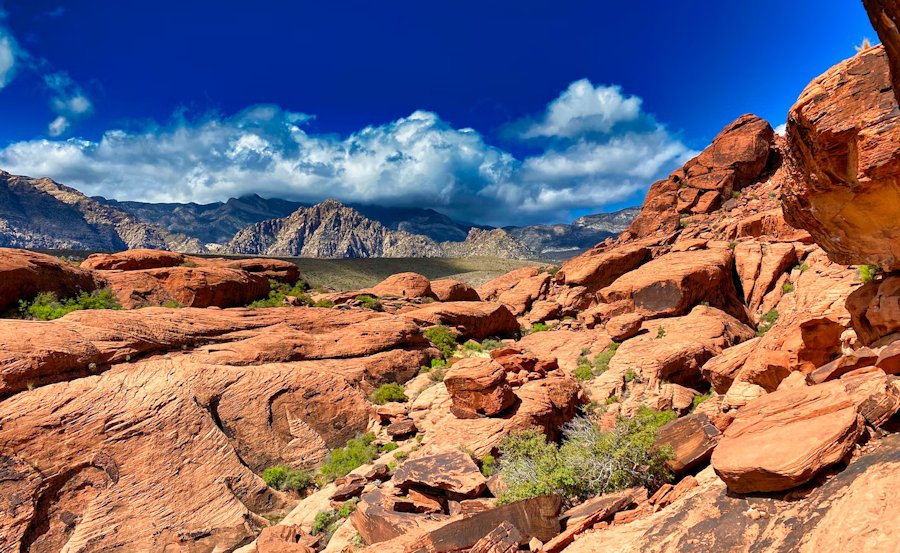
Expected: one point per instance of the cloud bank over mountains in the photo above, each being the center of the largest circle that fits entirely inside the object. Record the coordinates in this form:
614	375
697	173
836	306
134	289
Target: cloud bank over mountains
597	148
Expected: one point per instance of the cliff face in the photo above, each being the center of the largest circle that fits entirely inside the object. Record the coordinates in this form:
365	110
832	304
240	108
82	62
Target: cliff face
40	213
329	229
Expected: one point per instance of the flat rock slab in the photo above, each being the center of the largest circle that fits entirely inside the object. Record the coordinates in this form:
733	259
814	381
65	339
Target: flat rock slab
453	472
692	439
781	440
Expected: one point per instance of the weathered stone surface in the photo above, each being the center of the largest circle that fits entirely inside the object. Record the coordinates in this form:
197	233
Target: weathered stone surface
889	359
453	472
875	309
592	512
285	539
759	265
505	538
473	320
885	17
377	524
692	439
189	286
843	138
492	289
783	439
453	290
24	274
623	327
863	357
849	512
600	267
132	260
348	487
403	285
478	387
274	269
520	297
401	429
721	370
737	157
686	344
876	394
535	517
673	283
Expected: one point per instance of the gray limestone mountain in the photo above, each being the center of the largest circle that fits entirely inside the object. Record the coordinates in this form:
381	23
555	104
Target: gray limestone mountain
41	213
331	229
613	223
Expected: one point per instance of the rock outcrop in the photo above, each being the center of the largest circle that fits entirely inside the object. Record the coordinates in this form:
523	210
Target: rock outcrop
843	138
25	274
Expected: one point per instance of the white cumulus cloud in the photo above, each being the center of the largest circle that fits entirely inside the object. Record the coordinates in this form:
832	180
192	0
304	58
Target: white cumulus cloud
584	108
414	161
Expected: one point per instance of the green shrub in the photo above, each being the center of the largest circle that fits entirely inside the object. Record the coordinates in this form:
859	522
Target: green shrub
278	291
443	339
736	194
766	322
190	264
325	523
387	393
582	371
539	327
324	303
358	451
699	399
660	333
601	362
867	273
630	376
46	306
400	455
347	508
488	465
587	369
173	304
388	447
472	345
802	267
285	478
787	288
490	345
589	461
369	302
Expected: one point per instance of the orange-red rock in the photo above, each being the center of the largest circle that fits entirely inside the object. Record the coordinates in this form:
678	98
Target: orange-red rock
188	286
403	285
600	267
452	472
783	439
492	289
875	309
843	137
24	274
473	320
453	290
133	260
478	387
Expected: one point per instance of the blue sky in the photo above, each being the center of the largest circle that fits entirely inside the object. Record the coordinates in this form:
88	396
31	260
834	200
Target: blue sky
495	112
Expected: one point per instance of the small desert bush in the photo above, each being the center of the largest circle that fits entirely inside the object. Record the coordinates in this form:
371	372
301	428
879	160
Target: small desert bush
369	302
324	304
443	339
589	461
46	306
472	345
358	451
767	322
699	399
387	393
285	478
489	345
278	291
787	288
539	327
588	369
867	273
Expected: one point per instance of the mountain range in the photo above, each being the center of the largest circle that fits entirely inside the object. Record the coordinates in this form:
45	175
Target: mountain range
43	214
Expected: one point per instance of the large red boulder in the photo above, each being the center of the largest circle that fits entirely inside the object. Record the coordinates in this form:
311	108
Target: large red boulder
403	285
133	260
885	17
473	320
188	286
843	138
447	289
478	388
25	274
274	269
783	439
452	472
600	267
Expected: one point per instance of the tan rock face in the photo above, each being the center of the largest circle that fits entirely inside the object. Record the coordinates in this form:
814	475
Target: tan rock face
24	274
492	289
843	138
478	387
783	439
453	472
